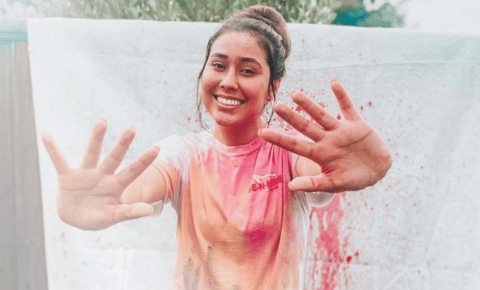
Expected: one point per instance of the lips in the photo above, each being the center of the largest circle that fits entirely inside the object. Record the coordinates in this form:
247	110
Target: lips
228	101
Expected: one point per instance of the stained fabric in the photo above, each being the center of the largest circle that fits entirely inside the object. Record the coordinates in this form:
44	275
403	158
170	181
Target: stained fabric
416	229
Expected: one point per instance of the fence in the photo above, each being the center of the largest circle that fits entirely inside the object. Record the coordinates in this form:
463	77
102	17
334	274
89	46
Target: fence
22	245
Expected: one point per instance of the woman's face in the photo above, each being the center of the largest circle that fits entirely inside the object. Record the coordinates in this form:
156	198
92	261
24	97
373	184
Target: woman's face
235	82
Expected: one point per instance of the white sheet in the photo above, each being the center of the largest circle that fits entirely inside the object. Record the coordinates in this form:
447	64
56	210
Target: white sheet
416	229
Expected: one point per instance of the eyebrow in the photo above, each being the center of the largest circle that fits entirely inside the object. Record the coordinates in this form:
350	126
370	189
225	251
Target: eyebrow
243	59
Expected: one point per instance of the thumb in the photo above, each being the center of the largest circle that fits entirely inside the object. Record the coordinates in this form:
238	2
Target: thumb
311	183
132	211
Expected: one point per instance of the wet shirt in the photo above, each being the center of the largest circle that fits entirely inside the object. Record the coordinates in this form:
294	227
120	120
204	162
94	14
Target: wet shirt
239	226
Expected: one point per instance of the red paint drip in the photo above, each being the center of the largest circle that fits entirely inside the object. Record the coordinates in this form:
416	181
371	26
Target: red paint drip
370	104
329	250
339	117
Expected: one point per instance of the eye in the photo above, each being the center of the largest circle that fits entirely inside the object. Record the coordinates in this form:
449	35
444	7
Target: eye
248	71
218	65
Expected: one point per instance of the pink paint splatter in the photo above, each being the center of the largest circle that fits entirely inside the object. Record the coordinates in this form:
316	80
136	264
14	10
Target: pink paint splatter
339	117
329	250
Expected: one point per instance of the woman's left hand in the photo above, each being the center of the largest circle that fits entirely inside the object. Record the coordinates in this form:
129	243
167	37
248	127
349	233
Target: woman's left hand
351	154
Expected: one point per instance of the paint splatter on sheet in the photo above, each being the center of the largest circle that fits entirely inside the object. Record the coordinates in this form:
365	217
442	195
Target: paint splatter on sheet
327	247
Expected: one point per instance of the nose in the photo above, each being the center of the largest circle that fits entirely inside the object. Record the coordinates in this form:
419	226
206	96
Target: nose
229	81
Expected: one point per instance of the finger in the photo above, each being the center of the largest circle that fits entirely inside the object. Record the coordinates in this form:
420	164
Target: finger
290	143
317	112
59	161
304	126
94	147
344	101
132	171
118	152
131	211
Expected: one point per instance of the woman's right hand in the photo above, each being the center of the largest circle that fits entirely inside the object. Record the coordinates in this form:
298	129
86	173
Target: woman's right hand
89	197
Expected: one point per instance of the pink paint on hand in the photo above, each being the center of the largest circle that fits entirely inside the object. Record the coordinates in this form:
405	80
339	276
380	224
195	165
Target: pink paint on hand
299	109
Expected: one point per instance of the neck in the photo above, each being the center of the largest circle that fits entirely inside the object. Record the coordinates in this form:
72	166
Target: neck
237	135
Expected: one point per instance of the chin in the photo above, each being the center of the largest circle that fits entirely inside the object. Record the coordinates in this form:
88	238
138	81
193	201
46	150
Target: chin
234	120
227	123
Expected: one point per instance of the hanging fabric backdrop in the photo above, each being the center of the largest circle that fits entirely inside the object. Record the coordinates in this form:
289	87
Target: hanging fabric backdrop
417	229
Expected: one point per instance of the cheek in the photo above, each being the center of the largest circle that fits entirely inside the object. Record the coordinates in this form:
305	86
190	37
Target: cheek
205	87
208	81
257	90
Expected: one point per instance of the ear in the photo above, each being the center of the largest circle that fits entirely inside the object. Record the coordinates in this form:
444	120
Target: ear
276	85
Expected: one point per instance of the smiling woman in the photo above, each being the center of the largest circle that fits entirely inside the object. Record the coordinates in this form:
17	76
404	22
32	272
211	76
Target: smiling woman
269	42
241	191
235	87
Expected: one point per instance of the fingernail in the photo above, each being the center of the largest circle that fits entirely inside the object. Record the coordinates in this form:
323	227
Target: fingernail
103	119
259	131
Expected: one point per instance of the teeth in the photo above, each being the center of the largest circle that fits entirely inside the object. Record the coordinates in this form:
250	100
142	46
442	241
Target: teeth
228	102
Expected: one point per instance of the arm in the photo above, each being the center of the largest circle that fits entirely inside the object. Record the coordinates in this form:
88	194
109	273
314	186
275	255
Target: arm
343	156
149	187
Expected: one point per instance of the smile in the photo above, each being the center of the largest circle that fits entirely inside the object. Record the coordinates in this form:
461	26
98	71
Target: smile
228	102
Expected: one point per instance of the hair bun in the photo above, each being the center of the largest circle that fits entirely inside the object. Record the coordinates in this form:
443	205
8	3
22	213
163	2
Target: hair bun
272	18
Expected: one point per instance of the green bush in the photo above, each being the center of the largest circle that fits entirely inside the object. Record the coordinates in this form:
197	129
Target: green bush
357	15
302	11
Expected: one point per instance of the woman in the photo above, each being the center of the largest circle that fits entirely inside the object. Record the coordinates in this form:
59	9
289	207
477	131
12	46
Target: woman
241	190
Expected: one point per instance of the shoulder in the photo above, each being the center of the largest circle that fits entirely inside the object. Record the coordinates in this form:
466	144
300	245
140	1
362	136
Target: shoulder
188	140
176	151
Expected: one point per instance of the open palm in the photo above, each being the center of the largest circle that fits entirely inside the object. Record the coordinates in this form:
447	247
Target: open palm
89	197
351	154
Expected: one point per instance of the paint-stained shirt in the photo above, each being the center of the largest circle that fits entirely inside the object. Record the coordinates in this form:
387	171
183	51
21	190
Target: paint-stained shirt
239	226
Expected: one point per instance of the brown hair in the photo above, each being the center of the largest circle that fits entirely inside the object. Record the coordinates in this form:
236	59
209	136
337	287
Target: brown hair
271	29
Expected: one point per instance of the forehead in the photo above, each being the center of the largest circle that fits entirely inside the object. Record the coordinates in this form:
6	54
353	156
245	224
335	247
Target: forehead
239	45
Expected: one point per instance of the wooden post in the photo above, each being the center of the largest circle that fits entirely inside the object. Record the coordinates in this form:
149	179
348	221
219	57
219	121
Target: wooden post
22	242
